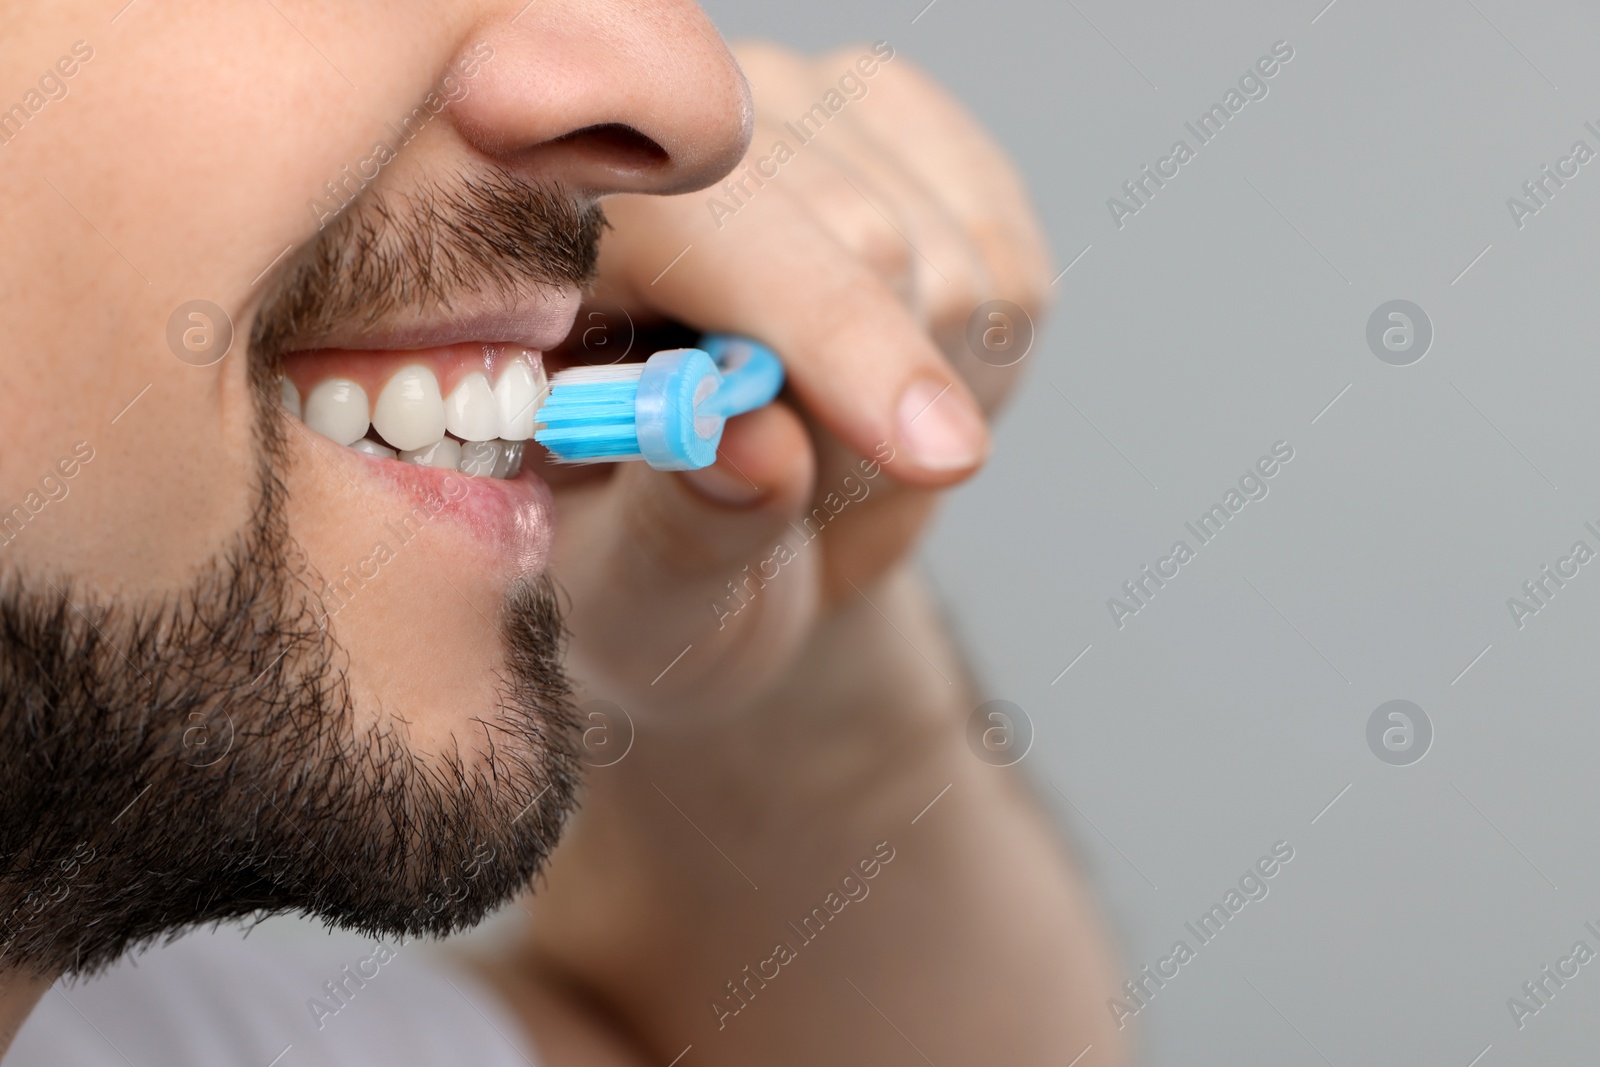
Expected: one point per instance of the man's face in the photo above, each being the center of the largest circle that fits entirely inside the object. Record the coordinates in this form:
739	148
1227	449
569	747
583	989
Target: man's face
250	661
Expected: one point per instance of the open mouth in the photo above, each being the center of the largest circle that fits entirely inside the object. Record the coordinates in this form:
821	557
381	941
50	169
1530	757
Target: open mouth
466	407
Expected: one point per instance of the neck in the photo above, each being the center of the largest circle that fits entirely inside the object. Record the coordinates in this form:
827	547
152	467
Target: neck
18	994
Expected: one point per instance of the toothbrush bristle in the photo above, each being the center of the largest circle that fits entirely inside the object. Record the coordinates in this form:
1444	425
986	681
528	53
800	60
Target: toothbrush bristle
589	416
614	372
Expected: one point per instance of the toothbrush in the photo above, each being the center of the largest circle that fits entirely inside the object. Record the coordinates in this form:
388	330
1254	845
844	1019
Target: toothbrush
668	411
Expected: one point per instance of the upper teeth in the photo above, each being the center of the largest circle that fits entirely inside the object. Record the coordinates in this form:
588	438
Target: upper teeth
373	448
410	412
470	412
337	409
413	418
517	396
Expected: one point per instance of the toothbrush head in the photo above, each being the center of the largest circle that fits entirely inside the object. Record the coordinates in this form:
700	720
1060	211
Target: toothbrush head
634	411
668	411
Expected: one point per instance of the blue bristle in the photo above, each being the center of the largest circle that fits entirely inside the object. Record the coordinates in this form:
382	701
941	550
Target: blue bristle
591	418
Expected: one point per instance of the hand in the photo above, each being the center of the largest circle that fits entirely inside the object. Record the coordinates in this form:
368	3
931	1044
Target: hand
804	719
858	254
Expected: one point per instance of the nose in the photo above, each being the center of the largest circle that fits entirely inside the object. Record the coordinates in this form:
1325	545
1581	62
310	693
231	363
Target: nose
605	96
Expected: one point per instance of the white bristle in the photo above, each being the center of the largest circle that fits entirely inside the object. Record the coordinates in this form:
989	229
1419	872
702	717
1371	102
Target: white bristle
616	372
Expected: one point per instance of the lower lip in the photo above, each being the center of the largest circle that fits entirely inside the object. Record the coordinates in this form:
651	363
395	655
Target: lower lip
514	516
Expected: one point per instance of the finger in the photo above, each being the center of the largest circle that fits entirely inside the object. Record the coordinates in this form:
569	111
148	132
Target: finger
881	200
858	360
962	166
950	276
670	576
878	526
868	234
875	207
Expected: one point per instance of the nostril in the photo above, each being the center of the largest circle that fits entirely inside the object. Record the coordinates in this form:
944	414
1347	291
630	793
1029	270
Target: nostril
622	143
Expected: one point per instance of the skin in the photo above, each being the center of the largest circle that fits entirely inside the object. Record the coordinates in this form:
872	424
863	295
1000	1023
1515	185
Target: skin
811	726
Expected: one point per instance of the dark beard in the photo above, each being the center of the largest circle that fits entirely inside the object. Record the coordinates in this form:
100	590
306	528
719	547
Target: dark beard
195	758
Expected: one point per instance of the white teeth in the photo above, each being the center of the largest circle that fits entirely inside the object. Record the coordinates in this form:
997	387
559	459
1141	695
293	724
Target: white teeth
410	412
470	411
412	416
373	448
445	452
337	409
510	460
518	394
480	458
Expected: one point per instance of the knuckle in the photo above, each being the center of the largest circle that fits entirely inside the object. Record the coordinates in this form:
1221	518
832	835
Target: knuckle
883	251
864	231
1017	264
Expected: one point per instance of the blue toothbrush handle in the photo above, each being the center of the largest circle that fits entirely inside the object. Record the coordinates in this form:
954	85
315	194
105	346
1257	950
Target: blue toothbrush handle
752	375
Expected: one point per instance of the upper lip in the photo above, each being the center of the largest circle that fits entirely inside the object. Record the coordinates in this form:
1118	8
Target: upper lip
536	317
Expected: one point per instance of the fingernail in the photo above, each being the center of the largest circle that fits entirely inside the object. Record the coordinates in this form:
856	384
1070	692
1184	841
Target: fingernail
722	486
940	427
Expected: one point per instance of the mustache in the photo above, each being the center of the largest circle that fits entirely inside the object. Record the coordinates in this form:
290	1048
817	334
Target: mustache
418	249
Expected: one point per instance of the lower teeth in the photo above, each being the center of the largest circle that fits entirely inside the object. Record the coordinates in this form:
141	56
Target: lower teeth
480	459
491	459
444	453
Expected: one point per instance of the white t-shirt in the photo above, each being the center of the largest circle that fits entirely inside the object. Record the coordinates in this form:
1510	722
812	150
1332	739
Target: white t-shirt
280	997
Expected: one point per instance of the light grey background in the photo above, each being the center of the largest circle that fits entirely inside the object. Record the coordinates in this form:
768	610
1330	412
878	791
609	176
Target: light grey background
1223	318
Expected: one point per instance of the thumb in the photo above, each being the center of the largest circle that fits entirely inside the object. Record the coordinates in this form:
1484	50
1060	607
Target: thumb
686	598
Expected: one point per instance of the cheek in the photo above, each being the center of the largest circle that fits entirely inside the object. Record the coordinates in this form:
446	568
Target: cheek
171	480
91	270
